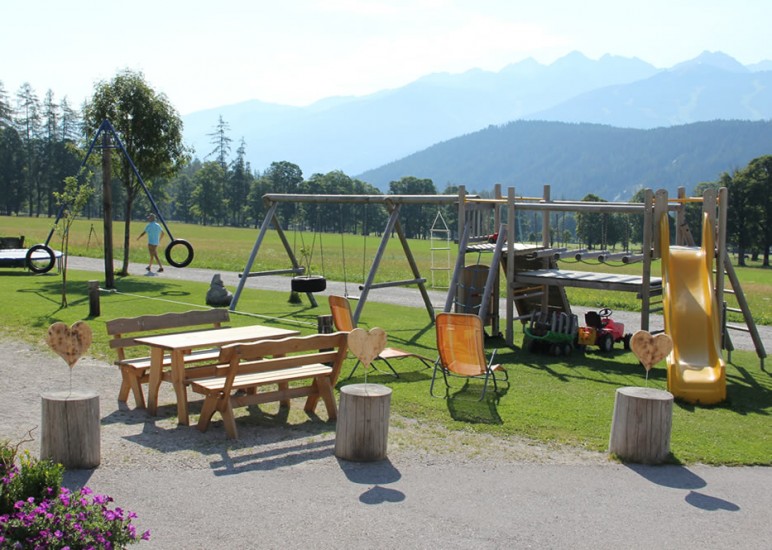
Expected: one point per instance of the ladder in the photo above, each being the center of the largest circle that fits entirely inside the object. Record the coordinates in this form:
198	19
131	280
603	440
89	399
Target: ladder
440	246
750	324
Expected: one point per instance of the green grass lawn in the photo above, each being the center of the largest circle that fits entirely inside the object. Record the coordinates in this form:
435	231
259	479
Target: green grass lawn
228	249
550	400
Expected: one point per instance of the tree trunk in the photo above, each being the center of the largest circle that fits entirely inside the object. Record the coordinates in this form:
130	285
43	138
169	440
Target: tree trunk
70	432
363	422
640	429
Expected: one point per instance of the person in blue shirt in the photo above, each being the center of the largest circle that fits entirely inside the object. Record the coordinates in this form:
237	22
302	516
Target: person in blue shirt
154	233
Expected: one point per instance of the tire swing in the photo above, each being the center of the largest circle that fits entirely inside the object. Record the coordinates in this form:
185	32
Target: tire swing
36	263
179	243
308	282
173	242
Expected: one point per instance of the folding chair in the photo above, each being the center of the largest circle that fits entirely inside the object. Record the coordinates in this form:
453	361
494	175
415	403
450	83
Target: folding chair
460	340
344	322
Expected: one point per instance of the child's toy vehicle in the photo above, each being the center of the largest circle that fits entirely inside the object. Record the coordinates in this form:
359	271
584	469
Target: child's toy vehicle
554	333
602	331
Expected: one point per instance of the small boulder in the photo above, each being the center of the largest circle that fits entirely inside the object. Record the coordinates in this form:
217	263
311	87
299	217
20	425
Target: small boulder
218	295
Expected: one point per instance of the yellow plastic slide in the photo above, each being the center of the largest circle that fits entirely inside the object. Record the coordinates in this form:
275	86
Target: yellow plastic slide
696	373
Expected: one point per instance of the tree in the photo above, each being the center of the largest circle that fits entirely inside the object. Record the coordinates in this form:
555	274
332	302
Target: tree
11	171
207	196
6	114
590	226
151	132
238	186
758	175
284	177
73	197
740	225
693	211
416	219
28	125
222	143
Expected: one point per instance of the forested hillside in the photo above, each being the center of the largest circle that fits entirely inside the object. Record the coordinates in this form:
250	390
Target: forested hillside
577	159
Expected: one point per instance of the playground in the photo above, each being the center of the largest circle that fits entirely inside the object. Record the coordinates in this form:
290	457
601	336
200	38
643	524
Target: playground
560	490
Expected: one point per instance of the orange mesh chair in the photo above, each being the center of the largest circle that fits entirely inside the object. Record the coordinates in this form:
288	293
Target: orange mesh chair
344	322
460	343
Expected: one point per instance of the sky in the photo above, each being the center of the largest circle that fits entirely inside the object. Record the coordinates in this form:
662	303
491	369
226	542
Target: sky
204	54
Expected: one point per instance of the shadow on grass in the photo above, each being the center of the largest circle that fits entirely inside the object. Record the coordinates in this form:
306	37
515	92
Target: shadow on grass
744	395
465	405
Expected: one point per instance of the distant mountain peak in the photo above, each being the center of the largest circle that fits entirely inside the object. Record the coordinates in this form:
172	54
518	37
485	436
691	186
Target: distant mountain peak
718	60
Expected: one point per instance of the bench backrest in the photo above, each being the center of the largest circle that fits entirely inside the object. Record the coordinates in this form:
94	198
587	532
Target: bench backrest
11	242
144	324
296	351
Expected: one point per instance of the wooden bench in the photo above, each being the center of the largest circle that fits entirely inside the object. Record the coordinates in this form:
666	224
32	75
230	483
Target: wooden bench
134	370
246	367
7	243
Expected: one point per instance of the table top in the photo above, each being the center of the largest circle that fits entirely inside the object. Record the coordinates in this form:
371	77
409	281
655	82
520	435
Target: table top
216	337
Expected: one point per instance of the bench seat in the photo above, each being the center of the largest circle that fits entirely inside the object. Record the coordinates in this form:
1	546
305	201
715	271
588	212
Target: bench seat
135	370
140	363
246	381
243	368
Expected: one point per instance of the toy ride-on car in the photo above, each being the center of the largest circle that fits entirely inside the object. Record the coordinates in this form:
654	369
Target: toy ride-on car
602	331
554	333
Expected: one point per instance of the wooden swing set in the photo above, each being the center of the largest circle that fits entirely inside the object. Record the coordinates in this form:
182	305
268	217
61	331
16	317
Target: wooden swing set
302	282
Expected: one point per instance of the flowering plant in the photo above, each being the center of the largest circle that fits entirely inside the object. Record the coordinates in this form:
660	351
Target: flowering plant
54	516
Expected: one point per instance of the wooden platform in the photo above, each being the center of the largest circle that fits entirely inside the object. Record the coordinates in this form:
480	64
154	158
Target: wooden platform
587	279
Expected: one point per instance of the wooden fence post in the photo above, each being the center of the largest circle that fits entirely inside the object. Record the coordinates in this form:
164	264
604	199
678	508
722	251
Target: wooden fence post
93	299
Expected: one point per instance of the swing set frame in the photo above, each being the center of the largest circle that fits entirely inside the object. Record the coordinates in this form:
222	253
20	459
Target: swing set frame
392	203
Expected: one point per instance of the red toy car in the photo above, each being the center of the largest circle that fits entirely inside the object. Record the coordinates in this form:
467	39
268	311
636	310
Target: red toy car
602	331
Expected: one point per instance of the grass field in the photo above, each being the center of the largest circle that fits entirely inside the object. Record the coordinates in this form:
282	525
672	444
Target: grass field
566	401
228	249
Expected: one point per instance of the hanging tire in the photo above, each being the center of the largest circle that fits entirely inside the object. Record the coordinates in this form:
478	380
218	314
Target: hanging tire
179	243
40	265
310	283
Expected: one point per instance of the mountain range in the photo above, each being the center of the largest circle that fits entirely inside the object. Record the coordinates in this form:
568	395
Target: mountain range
359	135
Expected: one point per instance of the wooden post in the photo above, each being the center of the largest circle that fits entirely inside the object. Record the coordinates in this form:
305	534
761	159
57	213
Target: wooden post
70	432
363	422
324	324
93	299
107	209
640	429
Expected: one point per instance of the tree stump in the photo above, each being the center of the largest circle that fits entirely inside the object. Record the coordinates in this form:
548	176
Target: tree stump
363	422
70	432
640	429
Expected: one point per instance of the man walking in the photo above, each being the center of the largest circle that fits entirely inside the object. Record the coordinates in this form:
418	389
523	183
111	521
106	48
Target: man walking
154	233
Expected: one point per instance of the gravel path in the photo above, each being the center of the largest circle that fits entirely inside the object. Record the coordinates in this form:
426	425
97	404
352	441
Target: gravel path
281	486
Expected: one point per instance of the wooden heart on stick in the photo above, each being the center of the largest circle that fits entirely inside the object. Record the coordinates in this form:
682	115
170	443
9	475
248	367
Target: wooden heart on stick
366	346
69	342
649	349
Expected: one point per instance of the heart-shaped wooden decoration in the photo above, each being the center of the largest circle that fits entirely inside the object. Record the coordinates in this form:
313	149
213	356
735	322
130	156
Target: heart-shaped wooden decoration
69	342
366	346
649	349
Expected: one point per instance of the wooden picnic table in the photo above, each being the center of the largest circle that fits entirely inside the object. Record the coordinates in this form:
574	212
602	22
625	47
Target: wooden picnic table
178	344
